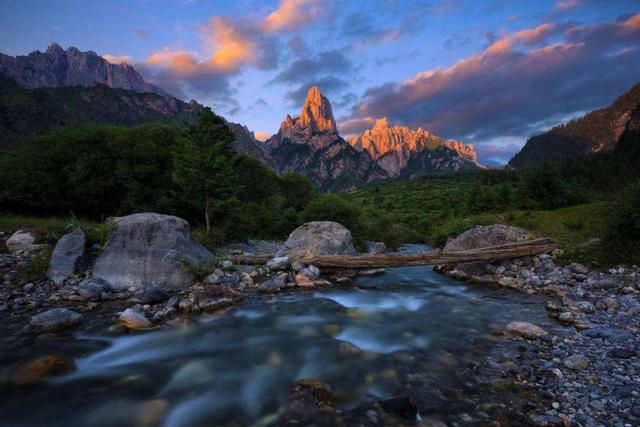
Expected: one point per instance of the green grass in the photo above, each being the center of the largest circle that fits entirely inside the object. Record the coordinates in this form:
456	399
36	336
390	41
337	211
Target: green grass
49	229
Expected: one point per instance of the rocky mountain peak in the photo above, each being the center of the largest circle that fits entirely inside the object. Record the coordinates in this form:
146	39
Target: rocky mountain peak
380	125
316	112
54	49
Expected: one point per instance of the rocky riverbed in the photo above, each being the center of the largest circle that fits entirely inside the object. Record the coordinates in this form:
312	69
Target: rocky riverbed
576	365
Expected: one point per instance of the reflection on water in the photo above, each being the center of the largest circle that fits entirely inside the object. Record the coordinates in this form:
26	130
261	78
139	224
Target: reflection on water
363	340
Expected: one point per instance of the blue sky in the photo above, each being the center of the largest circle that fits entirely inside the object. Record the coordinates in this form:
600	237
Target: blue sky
489	72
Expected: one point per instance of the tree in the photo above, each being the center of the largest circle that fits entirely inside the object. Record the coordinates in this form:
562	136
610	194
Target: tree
296	189
203	169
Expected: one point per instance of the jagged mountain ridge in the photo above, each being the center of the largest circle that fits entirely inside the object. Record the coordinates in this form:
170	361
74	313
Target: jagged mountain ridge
394	148
596	132
310	144
61	68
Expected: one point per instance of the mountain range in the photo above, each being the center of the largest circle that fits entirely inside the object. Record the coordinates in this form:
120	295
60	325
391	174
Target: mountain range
599	131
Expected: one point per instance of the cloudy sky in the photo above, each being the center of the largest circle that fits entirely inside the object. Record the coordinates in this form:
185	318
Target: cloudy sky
490	72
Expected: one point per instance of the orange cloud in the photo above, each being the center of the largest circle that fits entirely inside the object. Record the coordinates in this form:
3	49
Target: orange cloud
291	14
567	4
528	36
632	23
117	59
262	135
180	61
232	47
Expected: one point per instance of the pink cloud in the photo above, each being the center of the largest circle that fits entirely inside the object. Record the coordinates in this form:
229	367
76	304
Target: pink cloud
291	15
117	59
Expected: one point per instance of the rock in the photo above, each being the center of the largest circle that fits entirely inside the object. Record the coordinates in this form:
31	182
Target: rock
269	287
150	249
150	294
212	279
578	268
309	396
483	236
303	281
92	289
65	256
623	352
525	329
134	319
21	241
576	362
375	248
312	272
40	368
282	280
567	317
279	263
226	265
402	406
319	238
372	272
54	320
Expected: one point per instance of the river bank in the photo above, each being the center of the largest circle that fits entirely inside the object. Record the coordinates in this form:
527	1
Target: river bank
581	371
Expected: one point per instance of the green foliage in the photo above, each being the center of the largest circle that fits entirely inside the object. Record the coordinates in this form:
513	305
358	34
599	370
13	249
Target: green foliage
543	186
37	266
296	189
622	239
330	207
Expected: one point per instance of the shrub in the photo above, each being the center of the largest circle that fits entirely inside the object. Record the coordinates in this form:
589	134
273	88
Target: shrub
622	236
329	207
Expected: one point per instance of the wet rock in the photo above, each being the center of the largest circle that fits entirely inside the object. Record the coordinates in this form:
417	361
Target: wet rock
309	396
21	241
372	272
55	319
269	287
402	406
577	362
134	319
65	256
150	413
567	317
226	265
150	294
279	263
93	288
537	420
375	248
483	236
41	368
303	281
578	268
525	329
623	352
212	305
312	272
150	249
319	238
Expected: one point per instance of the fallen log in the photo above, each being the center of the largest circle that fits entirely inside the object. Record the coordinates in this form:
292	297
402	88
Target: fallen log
492	253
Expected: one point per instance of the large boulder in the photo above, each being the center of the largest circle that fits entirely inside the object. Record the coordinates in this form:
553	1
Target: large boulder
150	249
21	241
318	238
482	236
66	254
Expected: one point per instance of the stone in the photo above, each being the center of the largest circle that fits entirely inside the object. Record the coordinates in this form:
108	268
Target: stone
319	238
303	281
578	268
623	352
279	263
375	248
41	368
150	249
54	320
525	329
401	406
577	362
226	265
308	396
269	287
567	317
483	236
312	272
21	241
134	319
150	294
92	289
65	256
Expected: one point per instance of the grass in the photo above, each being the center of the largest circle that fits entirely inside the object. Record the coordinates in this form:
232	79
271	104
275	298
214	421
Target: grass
49	229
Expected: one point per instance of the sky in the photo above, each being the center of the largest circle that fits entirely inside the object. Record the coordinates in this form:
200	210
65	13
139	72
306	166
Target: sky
491	73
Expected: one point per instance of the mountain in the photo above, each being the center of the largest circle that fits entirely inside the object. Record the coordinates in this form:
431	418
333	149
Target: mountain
597	132
310	144
60	68
399	150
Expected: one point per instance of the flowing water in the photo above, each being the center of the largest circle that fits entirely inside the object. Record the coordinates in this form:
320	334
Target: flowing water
384	336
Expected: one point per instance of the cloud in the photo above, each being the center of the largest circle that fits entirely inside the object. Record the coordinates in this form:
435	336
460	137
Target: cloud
563	5
497	153
355	125
262	135
117	59
292	15
142	33
331	61
515	87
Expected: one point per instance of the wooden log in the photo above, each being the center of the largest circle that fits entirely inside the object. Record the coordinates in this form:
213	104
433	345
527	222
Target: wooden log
492	253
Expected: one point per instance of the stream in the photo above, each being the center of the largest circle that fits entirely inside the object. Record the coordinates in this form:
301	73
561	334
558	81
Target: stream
402	333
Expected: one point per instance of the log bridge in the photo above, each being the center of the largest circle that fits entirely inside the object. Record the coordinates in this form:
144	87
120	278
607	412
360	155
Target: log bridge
491	253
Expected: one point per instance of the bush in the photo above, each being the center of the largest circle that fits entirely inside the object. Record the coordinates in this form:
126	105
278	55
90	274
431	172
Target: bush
622	236
329	207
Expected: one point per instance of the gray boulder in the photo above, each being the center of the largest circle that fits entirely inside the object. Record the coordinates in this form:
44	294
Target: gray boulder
376	248
92	289
318	238
21	241
54	320
66	254
482	236
149	249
